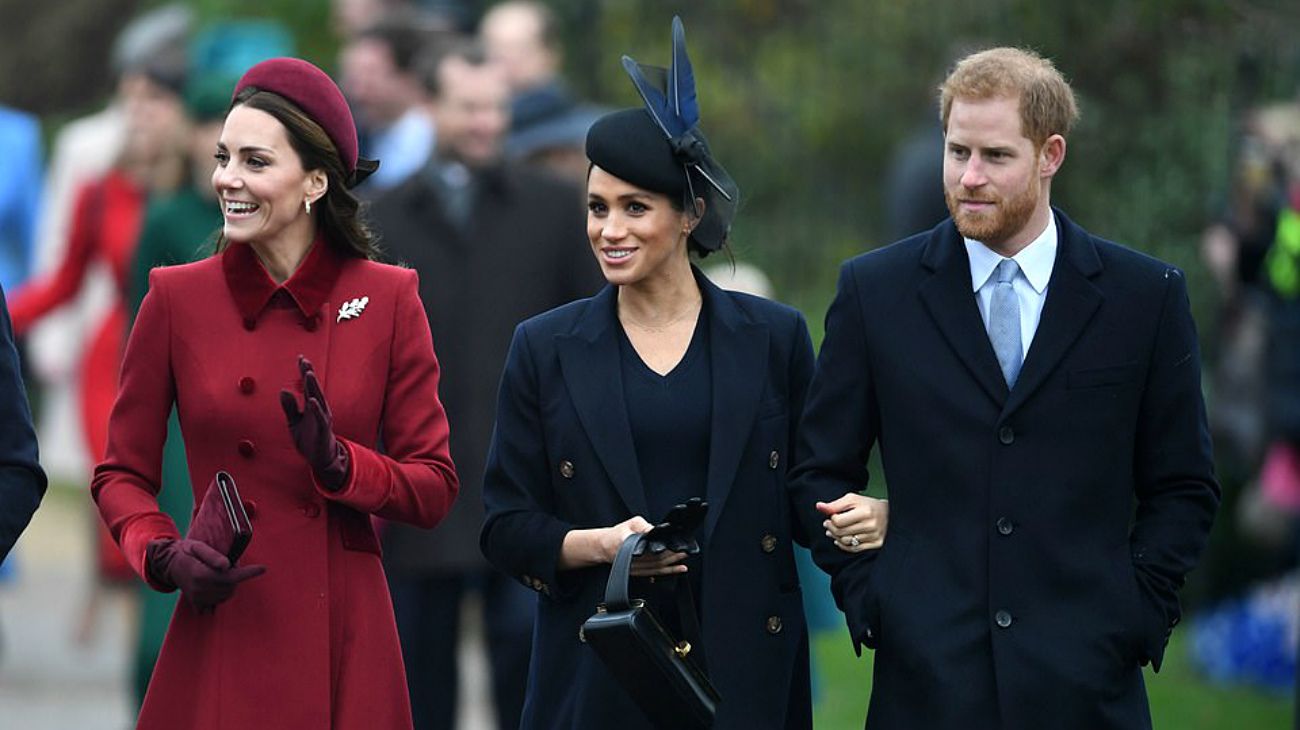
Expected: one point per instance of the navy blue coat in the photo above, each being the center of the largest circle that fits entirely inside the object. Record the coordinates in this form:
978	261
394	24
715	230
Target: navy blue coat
22	482
1018	586
562	458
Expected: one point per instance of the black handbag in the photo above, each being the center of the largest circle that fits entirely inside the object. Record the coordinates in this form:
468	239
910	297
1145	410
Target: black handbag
656	669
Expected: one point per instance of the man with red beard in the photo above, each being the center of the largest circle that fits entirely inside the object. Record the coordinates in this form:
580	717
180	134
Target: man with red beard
1036	394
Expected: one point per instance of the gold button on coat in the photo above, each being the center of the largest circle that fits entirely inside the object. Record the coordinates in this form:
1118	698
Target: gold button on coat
773	624
768	543
773	459
566	469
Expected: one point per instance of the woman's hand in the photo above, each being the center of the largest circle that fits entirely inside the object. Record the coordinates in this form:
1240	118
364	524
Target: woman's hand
204	576
583	548
665	563
856	522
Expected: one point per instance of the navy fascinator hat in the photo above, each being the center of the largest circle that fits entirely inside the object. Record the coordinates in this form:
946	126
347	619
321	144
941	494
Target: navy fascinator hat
660	147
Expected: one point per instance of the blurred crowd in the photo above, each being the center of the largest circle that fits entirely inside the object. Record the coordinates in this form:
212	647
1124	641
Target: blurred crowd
1249	631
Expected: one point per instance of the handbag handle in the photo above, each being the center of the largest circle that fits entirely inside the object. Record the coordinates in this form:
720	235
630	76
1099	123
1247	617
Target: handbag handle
616	597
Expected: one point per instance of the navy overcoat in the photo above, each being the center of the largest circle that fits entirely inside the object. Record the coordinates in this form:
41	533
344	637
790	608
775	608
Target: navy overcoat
22	482
1037	536
562	458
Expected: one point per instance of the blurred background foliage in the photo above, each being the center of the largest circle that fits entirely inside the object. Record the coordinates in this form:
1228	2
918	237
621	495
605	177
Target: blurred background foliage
806	100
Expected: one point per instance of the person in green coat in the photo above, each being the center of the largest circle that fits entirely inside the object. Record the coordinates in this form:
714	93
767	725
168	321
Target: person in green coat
178	228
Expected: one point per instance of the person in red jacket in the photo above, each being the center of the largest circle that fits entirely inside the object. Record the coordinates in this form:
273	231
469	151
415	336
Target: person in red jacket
104	229
290	355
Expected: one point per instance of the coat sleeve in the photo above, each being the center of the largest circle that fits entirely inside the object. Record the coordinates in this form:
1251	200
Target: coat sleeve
126	483
521	534
1177	492
22	482
414	480
39	297
800	373
836	434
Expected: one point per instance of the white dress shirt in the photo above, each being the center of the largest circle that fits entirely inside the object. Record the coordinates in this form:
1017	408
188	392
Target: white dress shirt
1035	261
402	148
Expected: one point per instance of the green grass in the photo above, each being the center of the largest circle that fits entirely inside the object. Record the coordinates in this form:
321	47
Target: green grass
1180	700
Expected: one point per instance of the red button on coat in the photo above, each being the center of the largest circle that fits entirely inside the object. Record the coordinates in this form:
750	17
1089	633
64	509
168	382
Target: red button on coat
247	449
247	385
250	324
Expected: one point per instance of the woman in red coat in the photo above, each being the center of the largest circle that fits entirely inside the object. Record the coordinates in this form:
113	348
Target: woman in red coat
290	356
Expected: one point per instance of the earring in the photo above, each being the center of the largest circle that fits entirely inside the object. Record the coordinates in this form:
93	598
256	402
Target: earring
307	205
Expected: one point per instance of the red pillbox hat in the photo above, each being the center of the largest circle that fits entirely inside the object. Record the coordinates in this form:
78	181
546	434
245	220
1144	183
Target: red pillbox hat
313	91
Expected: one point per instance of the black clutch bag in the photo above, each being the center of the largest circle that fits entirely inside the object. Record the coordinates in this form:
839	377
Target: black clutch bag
655	668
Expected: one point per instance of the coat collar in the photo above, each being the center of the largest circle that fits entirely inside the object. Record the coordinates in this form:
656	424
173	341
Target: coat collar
589	359
496	179
1072	299
252	288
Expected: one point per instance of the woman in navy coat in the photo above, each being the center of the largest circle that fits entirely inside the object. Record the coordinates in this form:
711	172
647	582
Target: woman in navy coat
660	388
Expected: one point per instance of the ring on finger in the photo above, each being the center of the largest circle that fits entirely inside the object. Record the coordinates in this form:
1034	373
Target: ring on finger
854	541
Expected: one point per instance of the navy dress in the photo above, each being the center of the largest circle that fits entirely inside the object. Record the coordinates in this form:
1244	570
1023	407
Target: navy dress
570	451
669	415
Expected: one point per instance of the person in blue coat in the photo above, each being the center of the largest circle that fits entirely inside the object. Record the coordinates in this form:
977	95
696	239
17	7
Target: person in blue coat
660	388
22	481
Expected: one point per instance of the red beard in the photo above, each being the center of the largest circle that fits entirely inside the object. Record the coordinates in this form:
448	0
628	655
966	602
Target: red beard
1008	217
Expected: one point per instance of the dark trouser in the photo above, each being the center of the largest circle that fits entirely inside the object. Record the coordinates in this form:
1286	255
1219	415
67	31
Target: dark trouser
428	621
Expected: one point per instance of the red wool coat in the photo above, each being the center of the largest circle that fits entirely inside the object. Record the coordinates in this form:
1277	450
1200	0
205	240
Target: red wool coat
310	645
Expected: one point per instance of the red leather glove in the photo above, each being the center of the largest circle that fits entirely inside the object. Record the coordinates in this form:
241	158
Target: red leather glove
312	428
203	574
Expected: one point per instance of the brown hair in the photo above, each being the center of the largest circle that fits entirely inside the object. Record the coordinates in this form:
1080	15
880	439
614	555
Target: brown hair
339	216
468	50
1047	103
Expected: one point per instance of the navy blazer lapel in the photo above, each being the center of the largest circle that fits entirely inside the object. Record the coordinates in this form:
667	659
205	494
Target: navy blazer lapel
951	301
589	359
1071	301
739	368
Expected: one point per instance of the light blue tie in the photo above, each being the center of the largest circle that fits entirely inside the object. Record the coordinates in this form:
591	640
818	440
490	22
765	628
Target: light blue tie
1004	322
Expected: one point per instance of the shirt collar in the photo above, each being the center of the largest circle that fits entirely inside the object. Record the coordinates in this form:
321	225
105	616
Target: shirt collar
252	288
1035	260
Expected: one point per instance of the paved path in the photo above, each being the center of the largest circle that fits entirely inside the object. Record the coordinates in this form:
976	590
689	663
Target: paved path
48	680
51	681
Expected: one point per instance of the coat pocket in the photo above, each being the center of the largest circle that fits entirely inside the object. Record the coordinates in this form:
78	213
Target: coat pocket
356	530
1103	377
888	562
772	407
